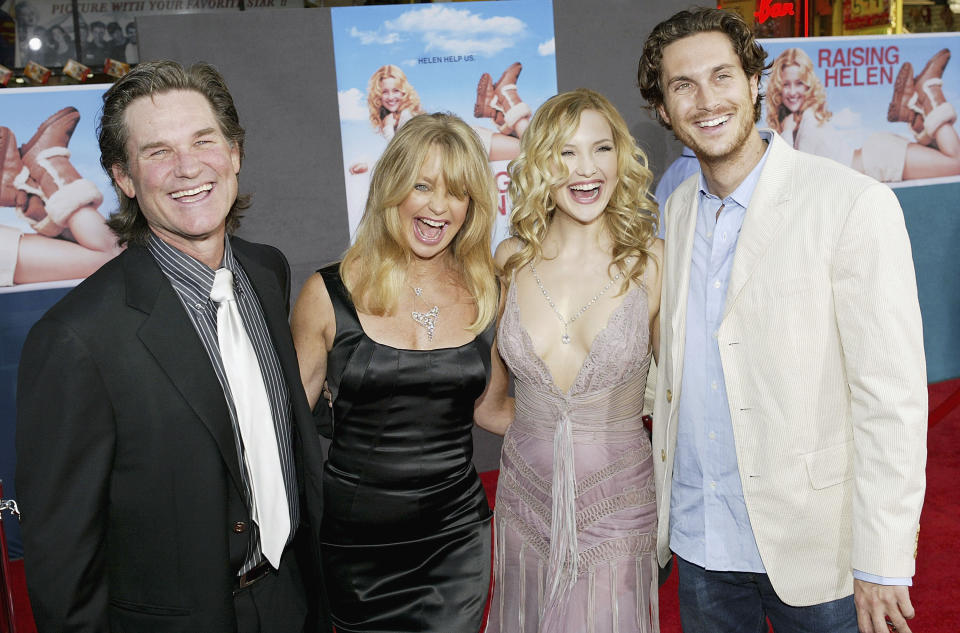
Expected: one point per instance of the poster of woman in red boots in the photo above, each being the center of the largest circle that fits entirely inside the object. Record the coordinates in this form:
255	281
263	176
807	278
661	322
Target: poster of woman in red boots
54	196
490	63
884	106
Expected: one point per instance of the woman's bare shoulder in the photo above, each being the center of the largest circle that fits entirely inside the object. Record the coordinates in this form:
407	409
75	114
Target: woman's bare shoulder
505	249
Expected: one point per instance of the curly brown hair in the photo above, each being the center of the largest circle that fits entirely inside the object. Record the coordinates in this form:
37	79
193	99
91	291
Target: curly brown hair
684	24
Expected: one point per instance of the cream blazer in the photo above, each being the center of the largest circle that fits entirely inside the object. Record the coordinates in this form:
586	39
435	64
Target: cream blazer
822	352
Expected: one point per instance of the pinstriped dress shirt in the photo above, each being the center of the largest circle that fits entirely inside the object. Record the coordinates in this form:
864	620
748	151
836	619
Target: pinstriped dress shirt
192	282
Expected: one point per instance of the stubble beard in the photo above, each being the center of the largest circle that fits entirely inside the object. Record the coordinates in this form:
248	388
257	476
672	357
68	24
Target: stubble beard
712	154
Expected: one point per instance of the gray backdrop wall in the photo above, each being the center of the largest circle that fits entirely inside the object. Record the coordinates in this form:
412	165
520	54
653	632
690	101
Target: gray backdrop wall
280	69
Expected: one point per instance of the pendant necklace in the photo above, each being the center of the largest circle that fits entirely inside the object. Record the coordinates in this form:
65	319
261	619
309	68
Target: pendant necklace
427	319
565	339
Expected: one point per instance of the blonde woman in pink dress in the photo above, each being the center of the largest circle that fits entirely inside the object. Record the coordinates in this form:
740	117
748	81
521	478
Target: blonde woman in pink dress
575	516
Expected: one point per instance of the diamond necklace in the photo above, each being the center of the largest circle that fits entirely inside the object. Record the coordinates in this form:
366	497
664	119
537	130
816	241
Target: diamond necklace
565	339
427	319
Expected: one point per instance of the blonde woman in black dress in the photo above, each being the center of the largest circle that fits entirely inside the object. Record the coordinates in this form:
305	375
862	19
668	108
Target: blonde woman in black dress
402	329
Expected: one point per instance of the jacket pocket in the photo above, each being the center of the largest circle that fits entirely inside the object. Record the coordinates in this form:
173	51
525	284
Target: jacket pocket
147	609
133	617
830	466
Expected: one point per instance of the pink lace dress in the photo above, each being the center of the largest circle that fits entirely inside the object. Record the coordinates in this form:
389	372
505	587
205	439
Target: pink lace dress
575	535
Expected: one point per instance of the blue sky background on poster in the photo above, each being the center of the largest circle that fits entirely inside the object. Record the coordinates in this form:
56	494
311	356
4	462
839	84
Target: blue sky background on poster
858	94
443	49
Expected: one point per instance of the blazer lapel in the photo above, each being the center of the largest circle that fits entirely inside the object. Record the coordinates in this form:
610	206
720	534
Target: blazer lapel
309	453
764	218
170	336
266	285
684	225
274	305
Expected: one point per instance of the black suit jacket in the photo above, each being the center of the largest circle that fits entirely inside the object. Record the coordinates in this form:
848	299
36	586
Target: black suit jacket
128	475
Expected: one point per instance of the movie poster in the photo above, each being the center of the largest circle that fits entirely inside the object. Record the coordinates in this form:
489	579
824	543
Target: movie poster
491	63
54	195
54	200
884	105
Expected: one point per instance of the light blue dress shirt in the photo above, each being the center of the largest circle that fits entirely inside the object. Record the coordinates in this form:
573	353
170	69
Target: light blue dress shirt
679	170
709	525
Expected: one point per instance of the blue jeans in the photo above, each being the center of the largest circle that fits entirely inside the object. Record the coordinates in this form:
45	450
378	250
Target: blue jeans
741	602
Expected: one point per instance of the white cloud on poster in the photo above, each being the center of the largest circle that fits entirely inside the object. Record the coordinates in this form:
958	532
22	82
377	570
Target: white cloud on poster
374	37
846	119
457	31
547	48
448	44
353	106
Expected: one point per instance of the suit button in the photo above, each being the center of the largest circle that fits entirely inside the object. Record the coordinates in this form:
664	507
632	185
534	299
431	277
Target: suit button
239	527
663	455
669	396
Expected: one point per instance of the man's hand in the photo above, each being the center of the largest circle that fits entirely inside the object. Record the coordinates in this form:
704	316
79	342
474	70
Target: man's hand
878	605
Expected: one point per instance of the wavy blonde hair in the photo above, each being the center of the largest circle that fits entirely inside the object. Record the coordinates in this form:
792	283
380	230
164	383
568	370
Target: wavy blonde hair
815	98
411	100
373	269
631	217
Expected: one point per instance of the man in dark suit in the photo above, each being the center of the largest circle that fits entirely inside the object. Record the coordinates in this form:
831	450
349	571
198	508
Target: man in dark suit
160	492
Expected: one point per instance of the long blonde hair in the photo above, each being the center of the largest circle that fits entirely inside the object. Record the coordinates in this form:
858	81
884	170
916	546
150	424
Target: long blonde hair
374	268
631	217
815	98
411	100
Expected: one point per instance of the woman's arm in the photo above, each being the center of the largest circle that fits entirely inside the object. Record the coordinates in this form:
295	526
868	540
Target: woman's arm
494	410
653	278
314	326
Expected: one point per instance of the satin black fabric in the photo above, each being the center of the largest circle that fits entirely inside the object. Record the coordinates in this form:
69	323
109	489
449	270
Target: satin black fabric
406	527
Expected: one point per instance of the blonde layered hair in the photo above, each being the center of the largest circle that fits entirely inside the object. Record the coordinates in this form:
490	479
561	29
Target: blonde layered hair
374	268
630	219
816	97
411	100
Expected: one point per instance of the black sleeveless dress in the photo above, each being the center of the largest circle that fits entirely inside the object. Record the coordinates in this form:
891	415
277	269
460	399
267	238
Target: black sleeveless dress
406	527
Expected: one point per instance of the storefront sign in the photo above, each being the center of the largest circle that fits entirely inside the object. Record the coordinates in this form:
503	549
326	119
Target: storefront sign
860	14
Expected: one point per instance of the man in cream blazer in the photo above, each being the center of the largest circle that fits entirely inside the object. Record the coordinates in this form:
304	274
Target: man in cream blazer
790	418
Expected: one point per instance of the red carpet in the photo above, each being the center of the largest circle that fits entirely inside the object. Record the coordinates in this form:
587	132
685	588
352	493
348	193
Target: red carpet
935	593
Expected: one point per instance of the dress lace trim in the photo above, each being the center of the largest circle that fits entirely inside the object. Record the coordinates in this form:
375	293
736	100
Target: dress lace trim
626	461
626	335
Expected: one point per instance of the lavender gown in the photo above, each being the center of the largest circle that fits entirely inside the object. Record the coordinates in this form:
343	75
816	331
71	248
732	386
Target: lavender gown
576	486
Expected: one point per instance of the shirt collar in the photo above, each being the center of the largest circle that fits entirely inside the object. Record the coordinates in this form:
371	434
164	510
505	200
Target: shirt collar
191	272
744	191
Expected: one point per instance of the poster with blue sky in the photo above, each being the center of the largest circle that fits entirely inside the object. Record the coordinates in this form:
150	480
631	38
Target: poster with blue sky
437	55
50	160
885	105
63	172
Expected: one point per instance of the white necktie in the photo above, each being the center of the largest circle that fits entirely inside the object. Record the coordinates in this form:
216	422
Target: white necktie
254	419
